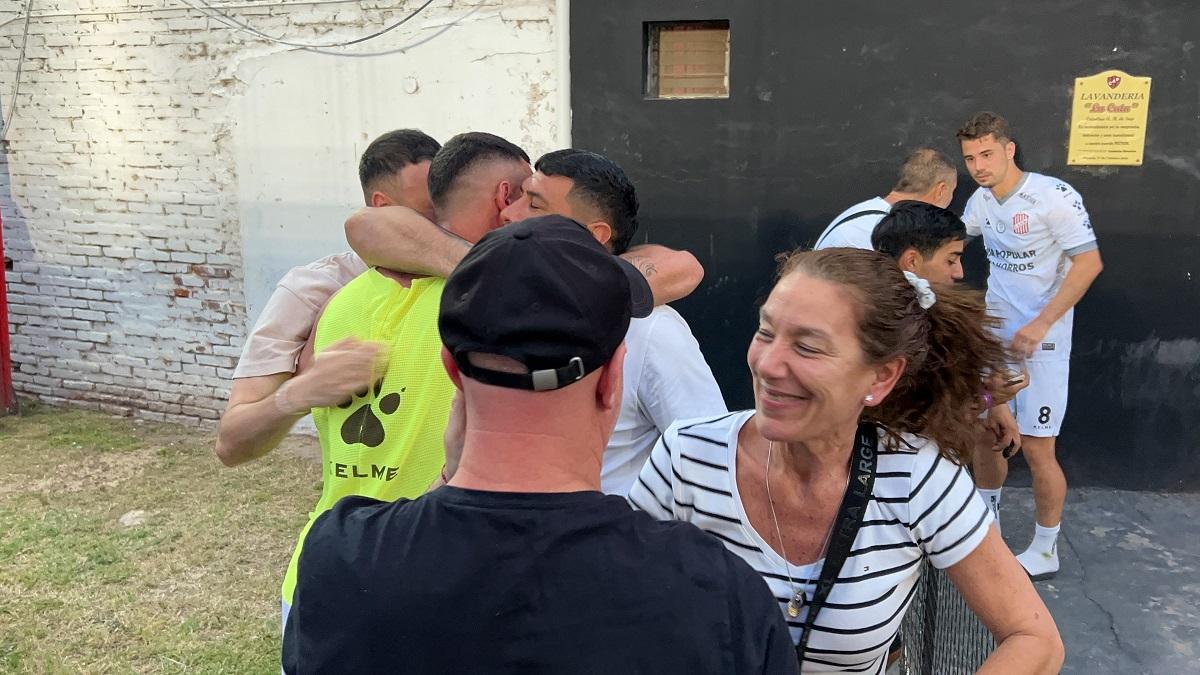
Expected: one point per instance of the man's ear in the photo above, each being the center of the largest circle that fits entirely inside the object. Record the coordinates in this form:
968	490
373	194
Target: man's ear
886	377
1010	149
602	231
502	196
451	368
379	199
608	387
909	260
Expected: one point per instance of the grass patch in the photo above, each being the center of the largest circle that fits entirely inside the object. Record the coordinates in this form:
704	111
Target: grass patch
195	589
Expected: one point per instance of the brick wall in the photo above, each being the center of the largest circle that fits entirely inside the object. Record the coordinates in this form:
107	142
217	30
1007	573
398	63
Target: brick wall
118	190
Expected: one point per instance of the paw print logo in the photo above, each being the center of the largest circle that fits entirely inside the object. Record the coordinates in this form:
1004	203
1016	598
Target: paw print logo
363	425
1061	187
1087	224
1078	206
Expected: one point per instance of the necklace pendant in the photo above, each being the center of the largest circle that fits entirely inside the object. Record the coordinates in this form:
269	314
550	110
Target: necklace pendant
794	605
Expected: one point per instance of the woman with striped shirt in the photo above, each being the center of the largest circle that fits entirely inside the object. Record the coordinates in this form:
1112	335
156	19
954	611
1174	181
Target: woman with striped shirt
845	338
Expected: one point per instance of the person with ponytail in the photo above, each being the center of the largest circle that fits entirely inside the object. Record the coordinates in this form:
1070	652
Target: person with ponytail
851	468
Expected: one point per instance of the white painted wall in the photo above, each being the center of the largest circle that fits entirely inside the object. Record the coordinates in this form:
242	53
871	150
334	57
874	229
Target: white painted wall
302	121
163	170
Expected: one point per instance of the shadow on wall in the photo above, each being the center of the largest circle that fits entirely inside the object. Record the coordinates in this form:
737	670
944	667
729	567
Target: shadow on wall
16	228
18	247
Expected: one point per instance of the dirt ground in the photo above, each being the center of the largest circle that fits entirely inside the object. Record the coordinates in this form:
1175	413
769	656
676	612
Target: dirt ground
127	547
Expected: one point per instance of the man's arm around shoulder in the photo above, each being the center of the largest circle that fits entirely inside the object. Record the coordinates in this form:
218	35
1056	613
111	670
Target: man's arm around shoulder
400	239
672	274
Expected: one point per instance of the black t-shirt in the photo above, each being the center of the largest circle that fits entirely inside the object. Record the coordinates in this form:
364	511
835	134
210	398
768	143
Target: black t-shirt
464	581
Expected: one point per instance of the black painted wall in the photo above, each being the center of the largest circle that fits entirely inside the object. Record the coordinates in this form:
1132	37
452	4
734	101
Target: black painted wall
825	100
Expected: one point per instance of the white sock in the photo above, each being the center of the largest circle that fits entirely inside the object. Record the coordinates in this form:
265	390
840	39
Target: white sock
1040	560
992	499
1044	539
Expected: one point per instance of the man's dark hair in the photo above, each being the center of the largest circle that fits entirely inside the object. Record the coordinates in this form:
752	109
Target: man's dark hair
922	170
600	183
392	152
913	224
462	153
983	123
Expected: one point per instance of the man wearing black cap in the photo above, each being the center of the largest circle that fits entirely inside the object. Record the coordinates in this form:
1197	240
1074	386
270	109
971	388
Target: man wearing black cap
520	564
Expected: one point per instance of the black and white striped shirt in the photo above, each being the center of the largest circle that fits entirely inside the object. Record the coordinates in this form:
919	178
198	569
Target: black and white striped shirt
922	505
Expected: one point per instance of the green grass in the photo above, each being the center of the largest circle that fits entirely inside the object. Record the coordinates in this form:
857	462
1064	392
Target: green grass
193	590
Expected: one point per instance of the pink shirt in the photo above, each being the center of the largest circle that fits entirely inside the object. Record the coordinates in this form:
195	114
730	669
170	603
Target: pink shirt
287	319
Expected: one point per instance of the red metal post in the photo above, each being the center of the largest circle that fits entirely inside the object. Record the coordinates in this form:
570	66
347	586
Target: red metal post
8	397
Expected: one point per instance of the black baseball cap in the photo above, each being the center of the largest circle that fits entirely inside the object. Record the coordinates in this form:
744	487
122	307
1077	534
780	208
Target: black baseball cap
545	293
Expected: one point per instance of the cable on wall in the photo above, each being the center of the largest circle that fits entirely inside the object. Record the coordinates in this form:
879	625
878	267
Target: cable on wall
233	23
12	107
230	20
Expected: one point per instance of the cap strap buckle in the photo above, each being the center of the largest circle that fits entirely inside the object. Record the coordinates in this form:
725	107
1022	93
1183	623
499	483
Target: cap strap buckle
553	378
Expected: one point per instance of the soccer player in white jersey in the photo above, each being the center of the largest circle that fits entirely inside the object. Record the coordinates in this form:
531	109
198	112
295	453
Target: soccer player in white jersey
1043	257
927	175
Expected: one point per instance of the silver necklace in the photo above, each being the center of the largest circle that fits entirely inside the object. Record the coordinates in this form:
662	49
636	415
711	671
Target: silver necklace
797	602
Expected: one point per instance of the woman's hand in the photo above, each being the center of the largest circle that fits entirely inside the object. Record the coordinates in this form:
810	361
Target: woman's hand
1005	385
1003	425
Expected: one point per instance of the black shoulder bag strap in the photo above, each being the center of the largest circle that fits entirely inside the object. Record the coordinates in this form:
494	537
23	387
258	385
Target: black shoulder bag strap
852	216
849	519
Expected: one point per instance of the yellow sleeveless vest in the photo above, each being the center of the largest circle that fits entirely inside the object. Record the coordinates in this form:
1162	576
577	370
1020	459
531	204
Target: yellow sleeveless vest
386	442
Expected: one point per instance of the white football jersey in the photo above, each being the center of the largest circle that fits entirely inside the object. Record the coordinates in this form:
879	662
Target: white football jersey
1030	237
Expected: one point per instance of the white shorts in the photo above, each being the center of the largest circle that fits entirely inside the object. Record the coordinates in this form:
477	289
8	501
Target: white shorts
1040	407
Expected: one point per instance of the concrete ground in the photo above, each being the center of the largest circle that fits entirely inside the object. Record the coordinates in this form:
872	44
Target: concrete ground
1127	595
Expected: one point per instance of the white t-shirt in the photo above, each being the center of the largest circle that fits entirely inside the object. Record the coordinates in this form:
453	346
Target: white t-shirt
1030	237
286	320
666	379
852	230
922	505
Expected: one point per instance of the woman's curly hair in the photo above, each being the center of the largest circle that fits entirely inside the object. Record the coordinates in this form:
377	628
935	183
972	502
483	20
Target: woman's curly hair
950	348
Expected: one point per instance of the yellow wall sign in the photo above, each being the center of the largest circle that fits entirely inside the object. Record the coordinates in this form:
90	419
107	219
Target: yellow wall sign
1108	119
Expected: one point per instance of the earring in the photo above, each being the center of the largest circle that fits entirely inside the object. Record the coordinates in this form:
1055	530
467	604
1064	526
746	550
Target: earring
870	398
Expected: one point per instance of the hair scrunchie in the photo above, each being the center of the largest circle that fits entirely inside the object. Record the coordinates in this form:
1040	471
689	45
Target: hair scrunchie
925	295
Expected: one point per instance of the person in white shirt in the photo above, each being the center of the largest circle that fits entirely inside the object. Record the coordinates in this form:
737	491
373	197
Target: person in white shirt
665	374
1043	257
849	362
927	175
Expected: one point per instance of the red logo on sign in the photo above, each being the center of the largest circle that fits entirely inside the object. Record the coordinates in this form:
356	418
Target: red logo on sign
1021	224
1114	81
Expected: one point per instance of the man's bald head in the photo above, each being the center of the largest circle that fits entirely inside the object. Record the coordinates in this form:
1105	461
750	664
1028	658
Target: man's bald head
927	175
